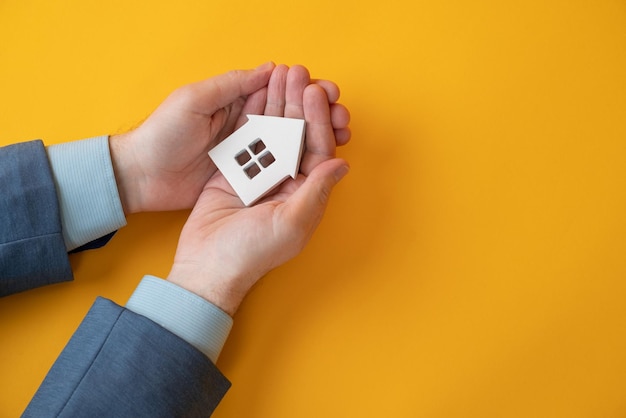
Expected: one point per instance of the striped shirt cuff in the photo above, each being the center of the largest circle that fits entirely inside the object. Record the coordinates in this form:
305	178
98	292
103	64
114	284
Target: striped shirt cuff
88	197
183	313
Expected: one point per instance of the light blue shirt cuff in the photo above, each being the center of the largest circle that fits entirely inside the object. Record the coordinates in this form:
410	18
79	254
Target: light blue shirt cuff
88	197
183	313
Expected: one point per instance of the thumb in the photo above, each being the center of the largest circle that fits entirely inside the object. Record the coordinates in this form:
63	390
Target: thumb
305	208
216	92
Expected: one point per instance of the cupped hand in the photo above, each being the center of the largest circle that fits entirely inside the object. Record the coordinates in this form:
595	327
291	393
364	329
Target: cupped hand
163	164
226	247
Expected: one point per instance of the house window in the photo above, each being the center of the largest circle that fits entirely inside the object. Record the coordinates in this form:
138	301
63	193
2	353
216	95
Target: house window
254	158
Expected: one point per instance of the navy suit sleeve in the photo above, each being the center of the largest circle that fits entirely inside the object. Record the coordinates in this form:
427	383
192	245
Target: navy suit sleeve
32	250
119	363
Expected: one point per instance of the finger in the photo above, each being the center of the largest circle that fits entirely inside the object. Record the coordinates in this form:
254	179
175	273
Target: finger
303	211
320	137
342	136
254	105
209	95
275	105
297	79
339	116
331	89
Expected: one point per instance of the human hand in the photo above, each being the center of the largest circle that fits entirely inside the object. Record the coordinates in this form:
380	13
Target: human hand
226	247
163	164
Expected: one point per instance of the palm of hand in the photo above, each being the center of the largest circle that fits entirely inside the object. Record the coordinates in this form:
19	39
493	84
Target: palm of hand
245	242
177	169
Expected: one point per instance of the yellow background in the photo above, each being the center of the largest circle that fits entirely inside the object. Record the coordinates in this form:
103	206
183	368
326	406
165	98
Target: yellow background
472	264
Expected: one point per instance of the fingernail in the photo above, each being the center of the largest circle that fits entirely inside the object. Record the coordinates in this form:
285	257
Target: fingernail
341	172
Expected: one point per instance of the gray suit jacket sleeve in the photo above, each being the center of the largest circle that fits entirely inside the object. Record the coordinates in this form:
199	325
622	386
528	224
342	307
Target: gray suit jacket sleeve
32	250
120	364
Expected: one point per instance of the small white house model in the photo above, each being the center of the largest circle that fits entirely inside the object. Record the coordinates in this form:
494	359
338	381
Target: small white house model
260	155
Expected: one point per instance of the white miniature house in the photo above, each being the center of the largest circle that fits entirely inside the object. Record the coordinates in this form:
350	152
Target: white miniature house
260	155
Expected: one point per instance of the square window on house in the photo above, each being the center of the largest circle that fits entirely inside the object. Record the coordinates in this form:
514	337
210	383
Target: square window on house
252	170
242	157
257	146
266	159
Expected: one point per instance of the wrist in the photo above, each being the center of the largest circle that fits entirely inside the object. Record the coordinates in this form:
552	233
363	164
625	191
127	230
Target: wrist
225	293
126	176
